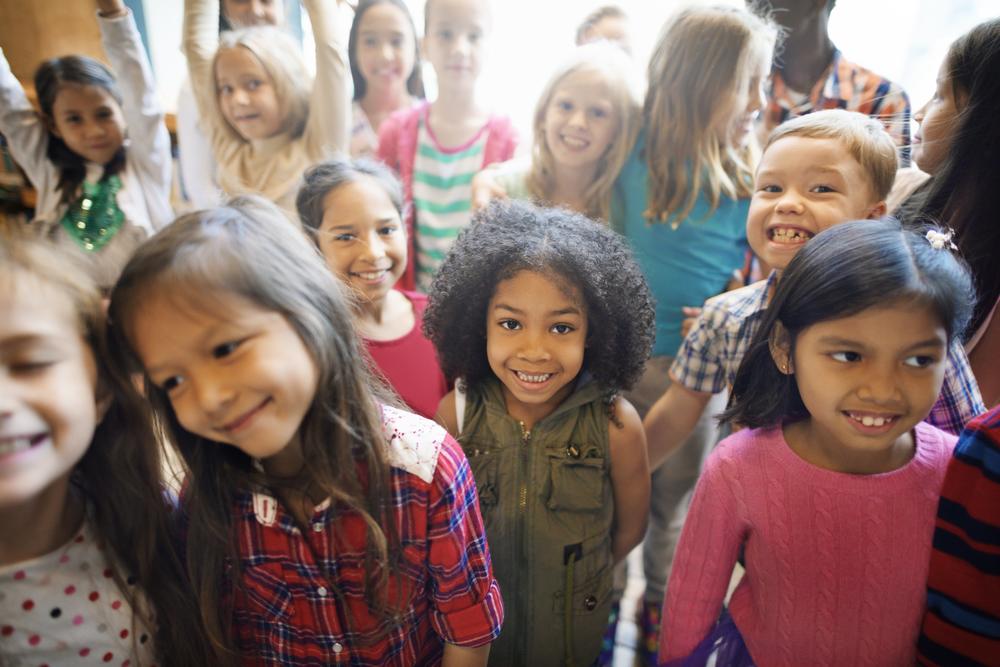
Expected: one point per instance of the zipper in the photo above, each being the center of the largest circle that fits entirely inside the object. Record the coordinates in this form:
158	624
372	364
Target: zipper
522	499
524	470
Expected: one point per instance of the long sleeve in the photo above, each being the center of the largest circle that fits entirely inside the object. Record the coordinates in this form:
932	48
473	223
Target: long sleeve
149	142
197	164
25	132
199	44
329	125
960	399
706	554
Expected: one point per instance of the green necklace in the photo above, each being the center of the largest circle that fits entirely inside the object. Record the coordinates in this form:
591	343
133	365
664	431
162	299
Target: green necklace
95	217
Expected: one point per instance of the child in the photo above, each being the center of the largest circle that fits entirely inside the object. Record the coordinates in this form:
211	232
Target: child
955	125
830	492
585	124
544	317
87	573
253	95
322	526
963	585
437	148
385	66
355	210
97	193
681	200
607	23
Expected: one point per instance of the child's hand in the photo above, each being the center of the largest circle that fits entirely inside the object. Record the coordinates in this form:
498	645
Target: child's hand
690	317
111	9
485	188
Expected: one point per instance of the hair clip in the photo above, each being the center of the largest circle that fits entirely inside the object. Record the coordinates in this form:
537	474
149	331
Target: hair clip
940	240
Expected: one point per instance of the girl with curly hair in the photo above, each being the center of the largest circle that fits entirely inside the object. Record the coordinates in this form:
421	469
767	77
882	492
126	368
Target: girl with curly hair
556	320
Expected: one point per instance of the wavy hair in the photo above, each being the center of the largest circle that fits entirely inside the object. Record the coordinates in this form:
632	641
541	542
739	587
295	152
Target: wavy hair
414	82
508	237
845	270
246	249
120	475
615	69
697	79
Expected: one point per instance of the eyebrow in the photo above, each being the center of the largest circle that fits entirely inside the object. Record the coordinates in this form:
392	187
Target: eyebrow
572	310
28	339
847	342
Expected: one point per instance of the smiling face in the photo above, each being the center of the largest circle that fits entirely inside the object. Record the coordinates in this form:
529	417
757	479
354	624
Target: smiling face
386	48
938	121
864	390
735	127
248	13
580	120
362	238
803	186
454	41
48	384
234	373
89	121
247	98
536	334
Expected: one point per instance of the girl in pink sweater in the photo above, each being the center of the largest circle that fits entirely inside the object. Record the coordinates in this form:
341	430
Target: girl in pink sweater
831	492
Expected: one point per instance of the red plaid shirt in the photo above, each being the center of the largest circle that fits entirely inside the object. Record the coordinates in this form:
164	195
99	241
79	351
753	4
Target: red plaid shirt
844	85
304	594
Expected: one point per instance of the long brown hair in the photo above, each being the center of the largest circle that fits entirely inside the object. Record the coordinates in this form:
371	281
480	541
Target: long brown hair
246	249
119	477
697	73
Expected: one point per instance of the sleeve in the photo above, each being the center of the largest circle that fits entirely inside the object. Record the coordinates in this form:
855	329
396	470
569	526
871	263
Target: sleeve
703	565
700	361
199	43
329	126
24	130
149	142
197	164
960	400
467	608
891	106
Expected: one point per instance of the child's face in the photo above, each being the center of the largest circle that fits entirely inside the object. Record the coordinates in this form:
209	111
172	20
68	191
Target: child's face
455	39
362	238
386	48
89	121
248	13
246	93
234	372
581	121
735	128
865	390
803	186
937	125
611	29
536	332
48	390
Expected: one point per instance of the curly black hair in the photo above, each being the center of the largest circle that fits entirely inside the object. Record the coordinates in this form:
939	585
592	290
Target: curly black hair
509	237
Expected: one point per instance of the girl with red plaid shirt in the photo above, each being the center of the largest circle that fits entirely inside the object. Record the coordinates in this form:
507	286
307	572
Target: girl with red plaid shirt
324	525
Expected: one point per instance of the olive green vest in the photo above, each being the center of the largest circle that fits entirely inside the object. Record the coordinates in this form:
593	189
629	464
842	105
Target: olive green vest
548	508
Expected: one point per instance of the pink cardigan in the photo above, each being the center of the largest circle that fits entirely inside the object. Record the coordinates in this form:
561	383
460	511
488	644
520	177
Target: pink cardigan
397	147
836	564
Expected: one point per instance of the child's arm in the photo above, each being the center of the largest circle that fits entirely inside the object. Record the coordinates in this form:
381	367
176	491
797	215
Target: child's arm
199	44
960	399
149	142
671	420
24	131
328	128
462	656
629	478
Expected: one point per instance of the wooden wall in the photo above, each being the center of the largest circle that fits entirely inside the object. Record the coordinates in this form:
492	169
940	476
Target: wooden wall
34	30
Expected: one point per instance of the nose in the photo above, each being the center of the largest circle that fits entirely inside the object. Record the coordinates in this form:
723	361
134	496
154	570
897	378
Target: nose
533	348
240	96
879	385
578	118
918	115
462	45
374	246
756	100
94	130
388	53
212	394
789	203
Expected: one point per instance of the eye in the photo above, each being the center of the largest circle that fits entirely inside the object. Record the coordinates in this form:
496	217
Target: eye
475	37
562	329
344	237
509	324
388	230
370	42
225	349
73	120
171	383
772	189
920	360
564	105
598	112
30	366
444	34
225	90
846	357
397	42
823	189
254	84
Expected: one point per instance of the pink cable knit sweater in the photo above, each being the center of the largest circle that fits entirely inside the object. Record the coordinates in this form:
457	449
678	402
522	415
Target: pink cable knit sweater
836	563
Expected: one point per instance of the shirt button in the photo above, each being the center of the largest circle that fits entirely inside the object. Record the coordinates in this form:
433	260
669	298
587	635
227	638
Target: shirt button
317	528
337	647
321	591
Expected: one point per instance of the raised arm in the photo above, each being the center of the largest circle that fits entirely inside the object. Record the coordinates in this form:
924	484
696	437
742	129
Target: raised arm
24	130
328	129
629	479
199	43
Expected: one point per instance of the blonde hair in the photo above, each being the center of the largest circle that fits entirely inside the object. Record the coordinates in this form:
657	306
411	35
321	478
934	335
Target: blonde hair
615	69
865	139
697	75
281	58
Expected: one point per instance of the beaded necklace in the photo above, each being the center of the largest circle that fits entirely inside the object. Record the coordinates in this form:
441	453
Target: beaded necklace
94	217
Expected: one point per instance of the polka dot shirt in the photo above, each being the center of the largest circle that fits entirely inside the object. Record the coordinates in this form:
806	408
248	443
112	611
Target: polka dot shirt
64	608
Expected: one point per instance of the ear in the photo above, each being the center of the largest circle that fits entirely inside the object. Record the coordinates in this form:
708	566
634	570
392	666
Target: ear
50	125
877	211
780	345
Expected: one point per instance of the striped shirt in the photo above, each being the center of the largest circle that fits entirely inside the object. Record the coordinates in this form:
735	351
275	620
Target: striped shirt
962	622
442	196
712	351
844	85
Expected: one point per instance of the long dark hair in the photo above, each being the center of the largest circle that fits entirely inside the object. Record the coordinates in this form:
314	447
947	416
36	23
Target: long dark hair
321	179
415	82
247	248
963	191
49	78
120	475
846	269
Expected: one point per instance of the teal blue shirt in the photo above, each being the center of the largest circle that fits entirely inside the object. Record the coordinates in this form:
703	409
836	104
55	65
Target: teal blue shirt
686	265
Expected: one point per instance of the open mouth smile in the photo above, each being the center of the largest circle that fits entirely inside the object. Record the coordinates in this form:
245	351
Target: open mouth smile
788	235
20	443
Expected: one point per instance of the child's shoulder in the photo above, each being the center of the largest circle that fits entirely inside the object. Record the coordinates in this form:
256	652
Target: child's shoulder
739	303
934	445
414	443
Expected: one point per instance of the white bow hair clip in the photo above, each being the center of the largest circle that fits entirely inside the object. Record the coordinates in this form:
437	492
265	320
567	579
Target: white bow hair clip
940	240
